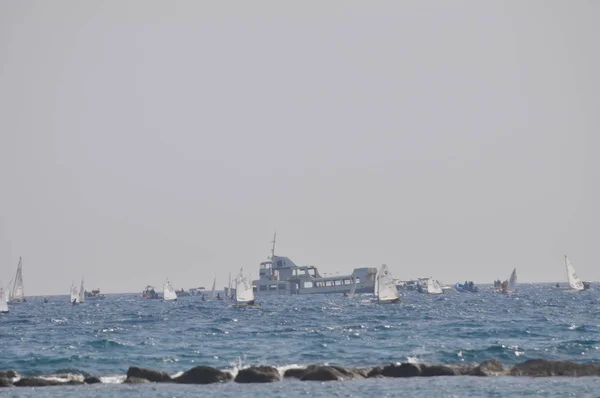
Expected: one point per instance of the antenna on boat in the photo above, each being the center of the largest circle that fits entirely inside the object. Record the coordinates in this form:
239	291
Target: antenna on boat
273	248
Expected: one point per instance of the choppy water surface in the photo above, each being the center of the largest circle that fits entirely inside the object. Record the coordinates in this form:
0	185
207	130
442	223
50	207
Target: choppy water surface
104	338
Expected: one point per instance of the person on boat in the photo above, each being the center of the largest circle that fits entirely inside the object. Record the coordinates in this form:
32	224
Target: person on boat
219	296
558	285
203	297
345	294
45	300
74	302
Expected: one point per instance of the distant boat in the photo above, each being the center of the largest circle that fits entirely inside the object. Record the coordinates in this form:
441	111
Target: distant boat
150	293
16	291
74	294
94	295
168	291
81	292
385	288
3	303
244	292
433	287
468	287
574	282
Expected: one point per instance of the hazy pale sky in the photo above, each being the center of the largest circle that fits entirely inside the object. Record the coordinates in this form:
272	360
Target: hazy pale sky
142	140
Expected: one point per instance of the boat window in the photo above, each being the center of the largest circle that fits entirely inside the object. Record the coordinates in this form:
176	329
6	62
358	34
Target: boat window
327	283
311	272
308	285
281	287
263	288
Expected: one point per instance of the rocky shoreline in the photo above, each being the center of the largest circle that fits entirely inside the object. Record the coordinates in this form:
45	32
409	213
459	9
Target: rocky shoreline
268	374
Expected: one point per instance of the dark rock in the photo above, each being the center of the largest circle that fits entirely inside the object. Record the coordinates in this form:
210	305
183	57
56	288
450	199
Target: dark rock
155	376
51	380
258	374
135	380
329	373
491	367
375	372
4	382
9	374
437	370
294	373
92	380
544	368
363	371
463	369
203	375
402	370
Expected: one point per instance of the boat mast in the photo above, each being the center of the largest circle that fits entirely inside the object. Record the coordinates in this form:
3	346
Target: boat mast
273	248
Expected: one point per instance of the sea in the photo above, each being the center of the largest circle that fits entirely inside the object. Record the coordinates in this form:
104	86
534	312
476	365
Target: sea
104	337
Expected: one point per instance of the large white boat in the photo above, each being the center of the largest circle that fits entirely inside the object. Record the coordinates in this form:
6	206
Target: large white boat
281	276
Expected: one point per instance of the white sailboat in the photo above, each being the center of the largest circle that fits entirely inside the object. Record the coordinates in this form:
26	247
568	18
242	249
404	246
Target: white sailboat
512	282
353	288
81	292
9	290
3	303
574	281
17	292
229	287
385	288
213	293
433	286
244	293
168	291
74	294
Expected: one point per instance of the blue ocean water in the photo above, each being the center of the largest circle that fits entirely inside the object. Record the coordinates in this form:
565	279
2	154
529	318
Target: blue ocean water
103	338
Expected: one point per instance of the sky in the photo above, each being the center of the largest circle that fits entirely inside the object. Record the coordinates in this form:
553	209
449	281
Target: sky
146	140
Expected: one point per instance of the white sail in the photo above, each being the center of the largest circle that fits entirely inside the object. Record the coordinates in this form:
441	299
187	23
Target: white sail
574	280
243	289
3	303
169	291
512	281
386	288
18	293
214	286
353	288
81	292
433	286
74	293
229	286
9	289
